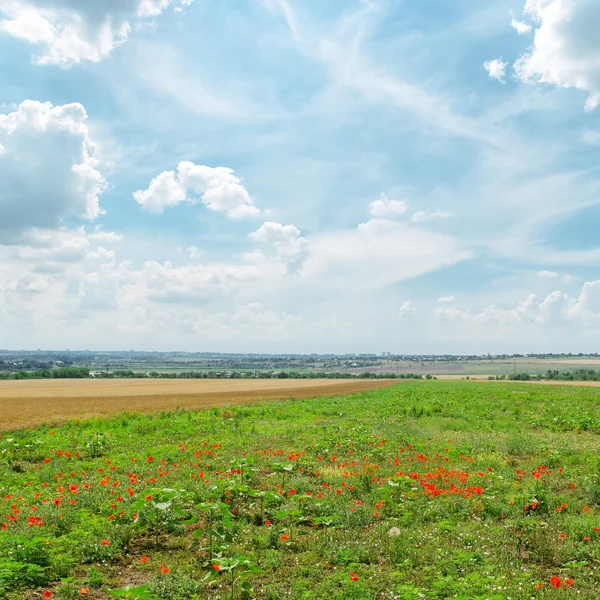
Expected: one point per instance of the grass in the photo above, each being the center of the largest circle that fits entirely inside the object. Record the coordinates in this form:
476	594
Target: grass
427	489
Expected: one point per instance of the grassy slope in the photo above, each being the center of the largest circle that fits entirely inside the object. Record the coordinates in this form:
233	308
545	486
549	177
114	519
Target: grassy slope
475	449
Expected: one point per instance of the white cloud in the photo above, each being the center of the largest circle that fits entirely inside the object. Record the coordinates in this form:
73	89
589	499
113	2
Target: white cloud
194	253
406	310
423	215
164	190
47	169
555	310
71	31
566	46
378	253
591	136
547	274
255	317
587	304
384	208
446	299
521	27
496	69
218	188
286	240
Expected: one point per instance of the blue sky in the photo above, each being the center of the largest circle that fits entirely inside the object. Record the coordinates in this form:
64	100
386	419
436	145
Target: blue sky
277	175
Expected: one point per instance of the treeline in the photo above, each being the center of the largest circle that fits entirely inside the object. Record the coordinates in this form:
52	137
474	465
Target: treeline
576	375
57	373
83	372
253	375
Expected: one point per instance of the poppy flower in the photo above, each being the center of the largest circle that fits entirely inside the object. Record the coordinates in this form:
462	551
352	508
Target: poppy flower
144	559
47	594
569	581
84	591
354	576
285	538
216	567
164	570
555	581
105	543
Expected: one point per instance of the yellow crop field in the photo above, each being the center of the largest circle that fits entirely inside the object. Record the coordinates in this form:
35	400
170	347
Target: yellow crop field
32	402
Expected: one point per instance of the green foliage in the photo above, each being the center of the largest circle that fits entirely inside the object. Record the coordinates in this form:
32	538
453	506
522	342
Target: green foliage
174	587
427	489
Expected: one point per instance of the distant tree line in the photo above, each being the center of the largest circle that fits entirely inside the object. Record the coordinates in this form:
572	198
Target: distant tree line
575	375
57	373
84	372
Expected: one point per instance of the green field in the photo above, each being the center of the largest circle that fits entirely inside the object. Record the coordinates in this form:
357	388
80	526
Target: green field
427	489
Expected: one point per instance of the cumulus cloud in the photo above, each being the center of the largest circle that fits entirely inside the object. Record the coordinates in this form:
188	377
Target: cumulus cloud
520	27
385	208
406	309
289	245
446	299
47	169
496	69
556	309
71	31
565	48
217	187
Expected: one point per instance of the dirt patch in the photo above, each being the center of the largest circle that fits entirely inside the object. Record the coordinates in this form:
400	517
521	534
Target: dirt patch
31	403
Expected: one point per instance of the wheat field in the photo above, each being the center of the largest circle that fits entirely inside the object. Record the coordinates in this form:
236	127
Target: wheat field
28	403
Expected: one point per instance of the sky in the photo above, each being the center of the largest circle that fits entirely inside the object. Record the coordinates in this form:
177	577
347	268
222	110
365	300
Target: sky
408	176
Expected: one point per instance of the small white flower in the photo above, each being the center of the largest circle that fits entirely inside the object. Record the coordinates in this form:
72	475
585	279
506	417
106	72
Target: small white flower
394	532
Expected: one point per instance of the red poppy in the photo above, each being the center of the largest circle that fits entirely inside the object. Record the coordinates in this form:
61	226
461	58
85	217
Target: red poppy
569	581
105	543
354	576
144	559
555	581
47	594
164	570
285	538
216	567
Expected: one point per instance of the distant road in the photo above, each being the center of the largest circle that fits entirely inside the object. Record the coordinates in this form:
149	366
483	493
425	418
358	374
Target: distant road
28	403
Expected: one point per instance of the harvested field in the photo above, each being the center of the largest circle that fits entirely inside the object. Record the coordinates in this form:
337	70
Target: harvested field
30	403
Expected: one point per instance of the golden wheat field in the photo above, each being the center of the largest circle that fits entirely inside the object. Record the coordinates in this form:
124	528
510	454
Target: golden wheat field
32	402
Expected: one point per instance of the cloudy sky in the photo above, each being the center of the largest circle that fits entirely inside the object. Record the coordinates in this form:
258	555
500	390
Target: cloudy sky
299	175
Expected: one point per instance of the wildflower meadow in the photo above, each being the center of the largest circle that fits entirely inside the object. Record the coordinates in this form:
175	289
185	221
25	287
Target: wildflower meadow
426	489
